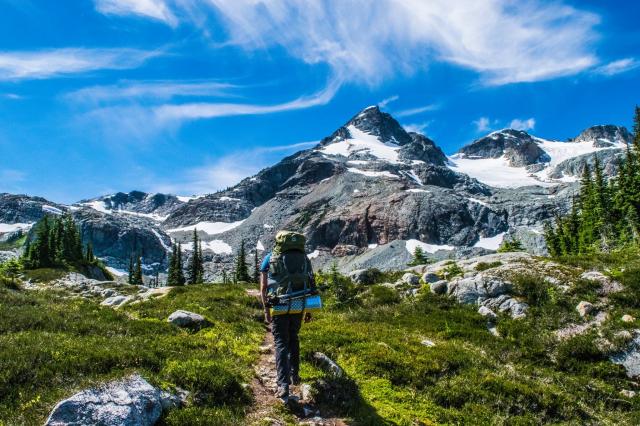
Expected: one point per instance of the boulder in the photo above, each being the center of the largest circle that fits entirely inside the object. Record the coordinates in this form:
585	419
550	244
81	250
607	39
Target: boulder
364	276
116	301
128	402
428	343
487	313
439	287
478	288
585	308
187	319
430	277
629	358
608	285
411	279
627	318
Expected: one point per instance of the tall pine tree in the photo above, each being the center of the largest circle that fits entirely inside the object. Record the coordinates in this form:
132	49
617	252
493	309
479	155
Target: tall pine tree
241	272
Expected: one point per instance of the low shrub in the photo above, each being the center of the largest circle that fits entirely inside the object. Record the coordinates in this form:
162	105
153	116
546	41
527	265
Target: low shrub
483	266
378	295
211	381
532	287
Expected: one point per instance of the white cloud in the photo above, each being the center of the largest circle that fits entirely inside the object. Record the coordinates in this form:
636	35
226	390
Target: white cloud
40	64
528	124
416	127
618	67
12	176
155	90
192	111
12	96
227	170
383	103
417	110
155	9
504	41
482	124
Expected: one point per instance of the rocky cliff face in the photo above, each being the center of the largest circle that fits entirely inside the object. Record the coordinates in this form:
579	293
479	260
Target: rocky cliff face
366	195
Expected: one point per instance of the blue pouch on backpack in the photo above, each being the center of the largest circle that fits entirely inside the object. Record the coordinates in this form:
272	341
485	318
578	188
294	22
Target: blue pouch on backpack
309	303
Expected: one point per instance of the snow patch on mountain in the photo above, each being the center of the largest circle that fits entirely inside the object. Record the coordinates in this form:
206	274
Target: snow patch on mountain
494	171
11	227
216	246
427	248
98	206
372	173
490	243
363	142
210	228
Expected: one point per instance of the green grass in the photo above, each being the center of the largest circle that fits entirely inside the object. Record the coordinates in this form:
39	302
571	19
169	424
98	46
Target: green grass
469	376
52	346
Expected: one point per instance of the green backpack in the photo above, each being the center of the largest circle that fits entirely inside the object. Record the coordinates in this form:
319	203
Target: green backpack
289	266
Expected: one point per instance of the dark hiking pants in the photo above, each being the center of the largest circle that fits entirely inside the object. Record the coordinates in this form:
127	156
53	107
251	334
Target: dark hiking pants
285	330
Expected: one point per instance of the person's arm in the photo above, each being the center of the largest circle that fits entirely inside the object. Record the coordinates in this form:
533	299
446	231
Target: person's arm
264	283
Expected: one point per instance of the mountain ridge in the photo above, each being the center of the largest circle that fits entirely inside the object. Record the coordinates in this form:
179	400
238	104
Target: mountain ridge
364	195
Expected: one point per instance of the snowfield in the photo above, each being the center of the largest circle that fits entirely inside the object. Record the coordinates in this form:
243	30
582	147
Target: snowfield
363	142
11	227
490	243
427	248
216	246
210	228
371	173
498	173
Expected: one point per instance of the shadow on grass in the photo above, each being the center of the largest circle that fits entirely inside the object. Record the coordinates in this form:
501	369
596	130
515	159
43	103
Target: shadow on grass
337	395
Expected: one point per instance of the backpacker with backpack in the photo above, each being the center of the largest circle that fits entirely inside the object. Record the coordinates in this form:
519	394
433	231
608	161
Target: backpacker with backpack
293	288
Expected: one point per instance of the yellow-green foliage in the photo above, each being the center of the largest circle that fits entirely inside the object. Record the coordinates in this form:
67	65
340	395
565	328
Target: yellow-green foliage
52	346
469	376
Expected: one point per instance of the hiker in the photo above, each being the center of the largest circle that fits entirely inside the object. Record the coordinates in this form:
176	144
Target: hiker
285	274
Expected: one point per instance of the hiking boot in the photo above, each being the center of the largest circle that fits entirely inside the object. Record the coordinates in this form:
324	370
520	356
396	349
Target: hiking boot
295	379
283	393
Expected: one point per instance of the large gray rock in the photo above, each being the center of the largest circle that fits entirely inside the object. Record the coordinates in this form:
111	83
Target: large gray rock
128	402
187	319
430	277
630	358
439	287
411	279
585	308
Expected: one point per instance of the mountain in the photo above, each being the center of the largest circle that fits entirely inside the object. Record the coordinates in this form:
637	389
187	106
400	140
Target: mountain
366	195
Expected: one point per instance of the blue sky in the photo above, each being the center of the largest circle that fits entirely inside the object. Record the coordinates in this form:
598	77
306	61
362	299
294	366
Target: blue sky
188	96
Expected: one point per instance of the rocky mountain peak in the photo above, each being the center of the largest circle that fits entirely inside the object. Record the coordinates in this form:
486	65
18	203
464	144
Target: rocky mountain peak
373	122
517	146
604	136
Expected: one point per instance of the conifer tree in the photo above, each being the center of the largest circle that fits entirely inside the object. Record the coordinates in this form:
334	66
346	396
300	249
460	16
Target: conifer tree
131	270
200	274
419	257
180	279
241	272
137	275
89	257
193	266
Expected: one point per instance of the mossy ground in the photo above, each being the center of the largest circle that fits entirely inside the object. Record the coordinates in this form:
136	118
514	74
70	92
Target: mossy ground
52	346
471	377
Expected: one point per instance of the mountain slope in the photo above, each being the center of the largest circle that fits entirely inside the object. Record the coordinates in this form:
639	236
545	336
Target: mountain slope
366	195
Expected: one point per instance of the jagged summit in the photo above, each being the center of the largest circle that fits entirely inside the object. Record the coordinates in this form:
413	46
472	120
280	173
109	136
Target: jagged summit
605	135
135	202
517	146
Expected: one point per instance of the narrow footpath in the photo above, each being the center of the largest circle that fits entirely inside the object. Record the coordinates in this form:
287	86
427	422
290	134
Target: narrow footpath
269	410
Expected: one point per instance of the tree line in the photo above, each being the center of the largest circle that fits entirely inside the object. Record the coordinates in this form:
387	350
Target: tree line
57	243
605	214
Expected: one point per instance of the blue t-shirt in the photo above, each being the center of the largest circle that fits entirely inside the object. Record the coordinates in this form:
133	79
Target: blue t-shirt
264	267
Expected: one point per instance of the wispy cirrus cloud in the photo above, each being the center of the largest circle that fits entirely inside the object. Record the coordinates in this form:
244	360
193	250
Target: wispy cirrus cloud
485	124
157	90
227	170
618	67
194	111
117	114
383	103
482	124
49	63
154	9
417	110
503	41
